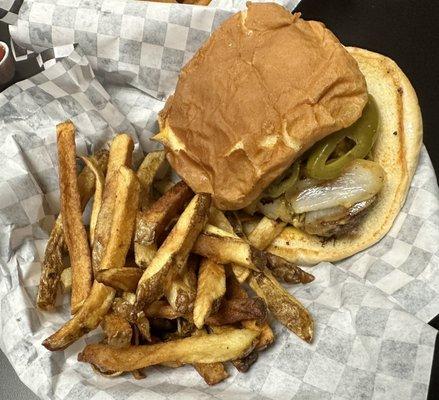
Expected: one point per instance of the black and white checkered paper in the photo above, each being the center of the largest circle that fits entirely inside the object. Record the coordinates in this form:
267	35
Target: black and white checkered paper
372	340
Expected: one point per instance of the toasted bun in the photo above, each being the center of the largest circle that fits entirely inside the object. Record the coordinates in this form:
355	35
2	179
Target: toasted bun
396	150
264	88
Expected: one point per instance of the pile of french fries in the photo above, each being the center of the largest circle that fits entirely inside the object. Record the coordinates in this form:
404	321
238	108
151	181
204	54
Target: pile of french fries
170	279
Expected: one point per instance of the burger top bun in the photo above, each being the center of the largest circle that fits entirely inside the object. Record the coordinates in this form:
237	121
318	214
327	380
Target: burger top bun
264	88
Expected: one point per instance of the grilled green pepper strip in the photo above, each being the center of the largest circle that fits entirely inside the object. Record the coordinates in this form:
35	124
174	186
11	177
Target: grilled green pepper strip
363	133
287	180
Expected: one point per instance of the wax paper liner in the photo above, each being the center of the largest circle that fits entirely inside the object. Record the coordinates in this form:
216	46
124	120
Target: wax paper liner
372	340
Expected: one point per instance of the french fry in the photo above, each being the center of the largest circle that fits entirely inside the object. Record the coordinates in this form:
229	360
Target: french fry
212	373
88	317
286	308
205	349
99	190
174	251
162	309
73	228
236	310
66	280
117	330
219	220
181	288
211	288
265	232
121	151
52	265
125	278
151	224
152	165
125	309
137	373
236	291
286	271
243	364
122	220
223	248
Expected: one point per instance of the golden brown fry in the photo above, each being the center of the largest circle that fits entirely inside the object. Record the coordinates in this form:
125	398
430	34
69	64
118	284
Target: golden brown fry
66	280
286	271
265	232
117	330
99	190
219	220
236	310
243	364
122	220
223	248
151	225
211	288
125	278
88	317
181	288
162	309
121	151
125	309
287	309
163	185
212	373
52	265
236	291
266	334
174	251
205	349
137	373
153	164
73	228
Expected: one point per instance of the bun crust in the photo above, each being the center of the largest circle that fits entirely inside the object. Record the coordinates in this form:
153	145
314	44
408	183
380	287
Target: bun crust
263	89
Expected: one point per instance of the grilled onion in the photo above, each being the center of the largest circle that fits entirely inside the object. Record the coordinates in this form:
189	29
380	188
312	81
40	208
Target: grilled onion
362	180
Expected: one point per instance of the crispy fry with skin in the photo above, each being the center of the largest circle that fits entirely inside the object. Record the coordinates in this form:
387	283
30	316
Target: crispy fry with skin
89	316
212	373
162	309
151	224
181	288
52	265
122	220
205	349
73	228
243	364
174	251
121	152
66	280
219	220
223	248
152	165
99	190
125	309
236	310
287	309
117	330
125	278
286	271
236	291
265	232
211	288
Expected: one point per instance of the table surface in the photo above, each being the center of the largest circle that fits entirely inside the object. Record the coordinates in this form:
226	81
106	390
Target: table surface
404	30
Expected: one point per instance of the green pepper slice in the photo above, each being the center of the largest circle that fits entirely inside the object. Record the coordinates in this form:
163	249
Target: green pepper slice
285	182
362	132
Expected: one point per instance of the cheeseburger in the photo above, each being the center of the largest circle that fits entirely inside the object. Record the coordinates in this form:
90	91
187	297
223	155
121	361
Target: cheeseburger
273	116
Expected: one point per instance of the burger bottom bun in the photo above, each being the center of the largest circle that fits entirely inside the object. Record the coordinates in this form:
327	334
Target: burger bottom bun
397	150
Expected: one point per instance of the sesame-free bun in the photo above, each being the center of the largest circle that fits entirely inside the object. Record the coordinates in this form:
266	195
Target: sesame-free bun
263	89
397	148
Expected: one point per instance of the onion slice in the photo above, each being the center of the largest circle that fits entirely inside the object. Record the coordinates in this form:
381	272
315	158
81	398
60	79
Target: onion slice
360	181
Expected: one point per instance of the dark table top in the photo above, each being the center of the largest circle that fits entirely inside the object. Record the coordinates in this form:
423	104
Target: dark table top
405	30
